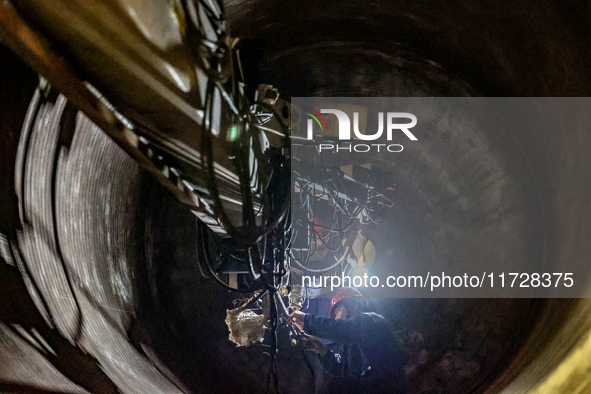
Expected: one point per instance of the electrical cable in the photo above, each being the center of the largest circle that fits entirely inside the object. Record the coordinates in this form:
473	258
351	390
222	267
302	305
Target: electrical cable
272	374
203	258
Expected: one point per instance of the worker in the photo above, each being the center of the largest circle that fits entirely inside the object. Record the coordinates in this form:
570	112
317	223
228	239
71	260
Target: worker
363	357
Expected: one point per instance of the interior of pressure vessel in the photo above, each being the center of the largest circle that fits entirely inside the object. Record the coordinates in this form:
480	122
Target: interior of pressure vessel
120	216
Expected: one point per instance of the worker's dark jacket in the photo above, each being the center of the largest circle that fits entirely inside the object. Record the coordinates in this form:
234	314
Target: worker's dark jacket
364	356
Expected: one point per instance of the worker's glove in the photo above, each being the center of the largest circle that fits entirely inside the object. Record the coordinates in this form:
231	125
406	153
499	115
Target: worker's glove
298	318
312	343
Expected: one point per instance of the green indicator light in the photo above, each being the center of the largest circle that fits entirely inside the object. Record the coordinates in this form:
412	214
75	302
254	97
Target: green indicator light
233	135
